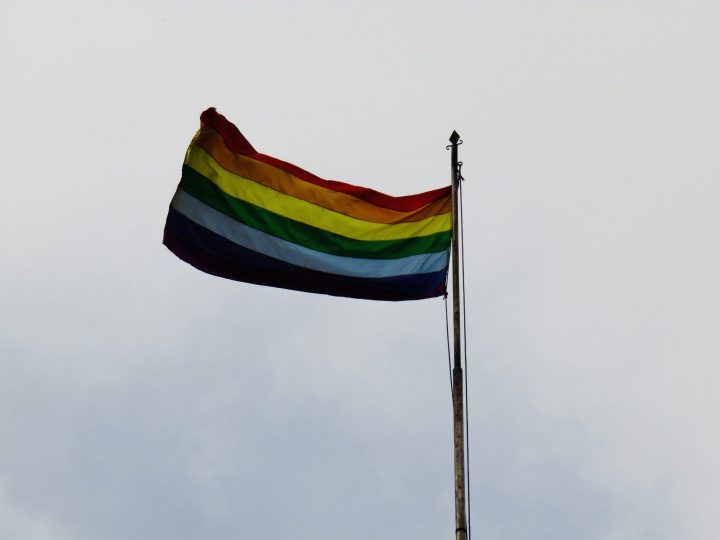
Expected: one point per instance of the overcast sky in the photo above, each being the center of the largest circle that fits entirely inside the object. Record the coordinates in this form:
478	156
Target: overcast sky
141	399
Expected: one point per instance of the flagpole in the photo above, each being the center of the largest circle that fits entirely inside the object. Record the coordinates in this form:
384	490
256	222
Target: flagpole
457	373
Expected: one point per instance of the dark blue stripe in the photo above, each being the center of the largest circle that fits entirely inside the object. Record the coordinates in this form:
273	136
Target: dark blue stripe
213	254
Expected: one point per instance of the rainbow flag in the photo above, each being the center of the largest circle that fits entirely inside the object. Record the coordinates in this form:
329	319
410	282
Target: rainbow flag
246	216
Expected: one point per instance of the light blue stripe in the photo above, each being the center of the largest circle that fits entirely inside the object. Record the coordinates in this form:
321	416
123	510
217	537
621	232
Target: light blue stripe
269	245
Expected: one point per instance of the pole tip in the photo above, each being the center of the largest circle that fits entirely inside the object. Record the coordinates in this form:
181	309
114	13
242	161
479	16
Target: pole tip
454	138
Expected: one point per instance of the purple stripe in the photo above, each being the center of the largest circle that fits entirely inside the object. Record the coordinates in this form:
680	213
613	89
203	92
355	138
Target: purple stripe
213	254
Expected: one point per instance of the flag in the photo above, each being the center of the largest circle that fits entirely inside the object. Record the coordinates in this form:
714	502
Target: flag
250	217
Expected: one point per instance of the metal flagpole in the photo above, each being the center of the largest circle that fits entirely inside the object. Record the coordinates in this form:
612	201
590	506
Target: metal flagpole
457	373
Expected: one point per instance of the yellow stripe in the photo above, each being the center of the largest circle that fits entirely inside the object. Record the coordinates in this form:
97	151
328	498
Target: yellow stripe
305	212
280	180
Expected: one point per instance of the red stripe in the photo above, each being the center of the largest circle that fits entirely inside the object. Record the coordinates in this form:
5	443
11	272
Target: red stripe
237	142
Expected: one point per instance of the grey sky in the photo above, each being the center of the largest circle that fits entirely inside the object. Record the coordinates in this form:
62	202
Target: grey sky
141	399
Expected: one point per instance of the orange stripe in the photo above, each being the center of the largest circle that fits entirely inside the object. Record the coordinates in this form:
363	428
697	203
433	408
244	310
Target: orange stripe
284	182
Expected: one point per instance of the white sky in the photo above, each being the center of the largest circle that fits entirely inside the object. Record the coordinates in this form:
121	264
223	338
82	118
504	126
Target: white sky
140	398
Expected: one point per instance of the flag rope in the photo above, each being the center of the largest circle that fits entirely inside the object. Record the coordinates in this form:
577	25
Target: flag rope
447	339
464	319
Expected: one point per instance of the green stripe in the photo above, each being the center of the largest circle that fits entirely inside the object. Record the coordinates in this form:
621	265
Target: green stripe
306	235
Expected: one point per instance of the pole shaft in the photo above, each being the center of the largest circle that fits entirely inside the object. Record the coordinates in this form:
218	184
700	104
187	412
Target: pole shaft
457	375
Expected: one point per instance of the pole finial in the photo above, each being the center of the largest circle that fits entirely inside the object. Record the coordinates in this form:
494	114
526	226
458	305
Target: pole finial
454	138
